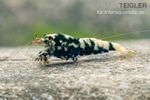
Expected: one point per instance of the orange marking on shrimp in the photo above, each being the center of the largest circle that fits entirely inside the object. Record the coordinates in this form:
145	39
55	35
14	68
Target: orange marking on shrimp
37	41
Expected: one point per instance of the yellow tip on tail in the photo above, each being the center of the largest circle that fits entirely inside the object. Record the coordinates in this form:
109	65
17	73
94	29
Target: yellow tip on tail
131	53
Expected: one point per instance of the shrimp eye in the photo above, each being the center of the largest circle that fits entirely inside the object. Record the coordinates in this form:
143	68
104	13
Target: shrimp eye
50	37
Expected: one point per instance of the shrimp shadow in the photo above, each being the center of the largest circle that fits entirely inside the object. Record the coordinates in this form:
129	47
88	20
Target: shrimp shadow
82	60
60	64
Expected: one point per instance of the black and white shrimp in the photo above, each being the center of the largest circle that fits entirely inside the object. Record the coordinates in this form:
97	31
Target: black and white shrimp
67	47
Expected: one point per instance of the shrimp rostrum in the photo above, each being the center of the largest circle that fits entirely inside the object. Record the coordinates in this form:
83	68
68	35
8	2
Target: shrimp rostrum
67	47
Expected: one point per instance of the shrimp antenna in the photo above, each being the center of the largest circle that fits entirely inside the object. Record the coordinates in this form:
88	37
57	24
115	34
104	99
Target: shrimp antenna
109	37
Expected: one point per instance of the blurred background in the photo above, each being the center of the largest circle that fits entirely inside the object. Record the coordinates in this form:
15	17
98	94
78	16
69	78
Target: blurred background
20	20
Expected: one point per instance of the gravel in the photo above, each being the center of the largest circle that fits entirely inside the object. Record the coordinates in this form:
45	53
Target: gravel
95	77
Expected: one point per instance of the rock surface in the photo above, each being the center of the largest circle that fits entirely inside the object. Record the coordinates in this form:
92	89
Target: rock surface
100	77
